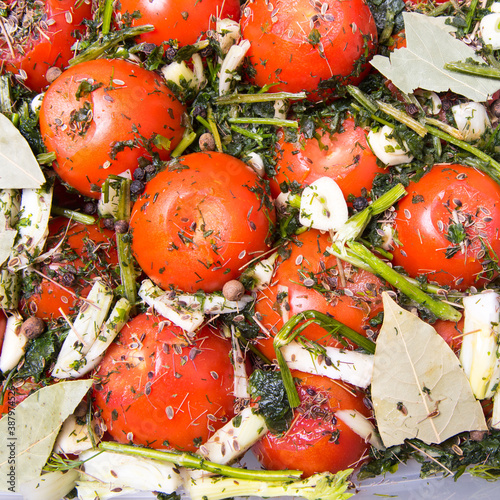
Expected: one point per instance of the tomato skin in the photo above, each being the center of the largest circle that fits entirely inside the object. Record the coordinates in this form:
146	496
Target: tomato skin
198	222
40	52
344	156
424	217
452	332
3	324
307	259
183	21
316	442
137	376
285	49
87	252
105	131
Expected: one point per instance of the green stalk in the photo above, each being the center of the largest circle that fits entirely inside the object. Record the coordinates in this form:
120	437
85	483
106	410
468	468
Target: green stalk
293	327
254	98
277	122
73	215
470	15
362	98
192	461
473	69
5	98
108	41
256	137
441	309
187	139
215	131
106	17
465	146
402	117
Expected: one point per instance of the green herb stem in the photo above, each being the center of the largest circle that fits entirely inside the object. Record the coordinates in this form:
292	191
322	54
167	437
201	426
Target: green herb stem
192	461
483	70
255	98
188	138
277	122
470	15
439	308
73	215
402	117
362	98
106	17
215	131
108	41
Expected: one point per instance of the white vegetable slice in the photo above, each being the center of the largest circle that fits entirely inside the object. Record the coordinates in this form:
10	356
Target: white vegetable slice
386	148
323	206
84	332
178	73
33	227
232	440
52	485
232	60
479	351
262	273
90	490
228	33
490	30
350	366
73	438
14	343
125	471
471	119
359	424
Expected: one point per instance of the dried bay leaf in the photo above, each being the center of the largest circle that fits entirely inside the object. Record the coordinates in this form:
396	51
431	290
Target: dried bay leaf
19	168
29	431
429	46
419	389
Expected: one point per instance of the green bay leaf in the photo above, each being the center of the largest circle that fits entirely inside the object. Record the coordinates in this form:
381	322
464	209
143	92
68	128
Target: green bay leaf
419	390
29	431
19	168
420	65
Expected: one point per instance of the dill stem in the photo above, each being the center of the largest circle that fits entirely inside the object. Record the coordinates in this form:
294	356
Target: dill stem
473	69
73	215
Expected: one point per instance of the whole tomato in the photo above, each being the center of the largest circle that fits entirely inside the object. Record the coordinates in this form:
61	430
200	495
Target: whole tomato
344	156
447	227
99	117
309	278
40	37
317	440
155	389
80	253
299	45
184	21
200	221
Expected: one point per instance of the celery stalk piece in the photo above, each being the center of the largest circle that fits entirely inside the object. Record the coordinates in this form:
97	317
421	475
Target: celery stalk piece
14	343
479	353
56	484
83	332
323	486
233	439
339	364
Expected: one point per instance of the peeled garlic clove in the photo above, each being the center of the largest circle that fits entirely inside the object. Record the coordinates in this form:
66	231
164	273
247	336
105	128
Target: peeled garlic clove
386	148
471	119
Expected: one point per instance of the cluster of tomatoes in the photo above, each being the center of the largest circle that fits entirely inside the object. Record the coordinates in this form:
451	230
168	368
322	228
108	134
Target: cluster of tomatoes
205	216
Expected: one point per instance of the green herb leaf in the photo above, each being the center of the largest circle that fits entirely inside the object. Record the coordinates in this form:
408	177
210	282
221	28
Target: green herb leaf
29	431
18	166
419	389
420	65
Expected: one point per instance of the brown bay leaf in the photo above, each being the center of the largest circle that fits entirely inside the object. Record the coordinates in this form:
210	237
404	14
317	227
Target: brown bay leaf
419	390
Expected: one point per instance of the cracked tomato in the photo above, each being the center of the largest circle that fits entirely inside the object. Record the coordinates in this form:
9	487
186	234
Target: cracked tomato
40	38
100	117
154	388
299	45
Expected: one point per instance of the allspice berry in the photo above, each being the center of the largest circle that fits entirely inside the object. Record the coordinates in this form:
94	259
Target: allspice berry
207	142
233	290
32	328
53	73
121	226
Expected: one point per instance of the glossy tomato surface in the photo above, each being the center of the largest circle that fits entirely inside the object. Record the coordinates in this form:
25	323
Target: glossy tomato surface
99	117
447	226
30	52
184	21
298	45
344	156
156	389
317	440
309	278
200	221
79	254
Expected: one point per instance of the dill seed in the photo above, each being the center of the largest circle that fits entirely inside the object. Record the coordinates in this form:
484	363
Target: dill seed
214	375
348	292
212	418
308	282
211	428
170	412
299	259
68	16
407	213
118	82
461	176
242	254
147	388
130	436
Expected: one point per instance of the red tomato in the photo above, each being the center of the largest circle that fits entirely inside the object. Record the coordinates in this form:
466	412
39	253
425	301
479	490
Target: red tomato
100	116
3	324
344	156
45	33
317	441
300	46
183	21
452	332
352	304
15	395
86	252
198	222
448	226
155	389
